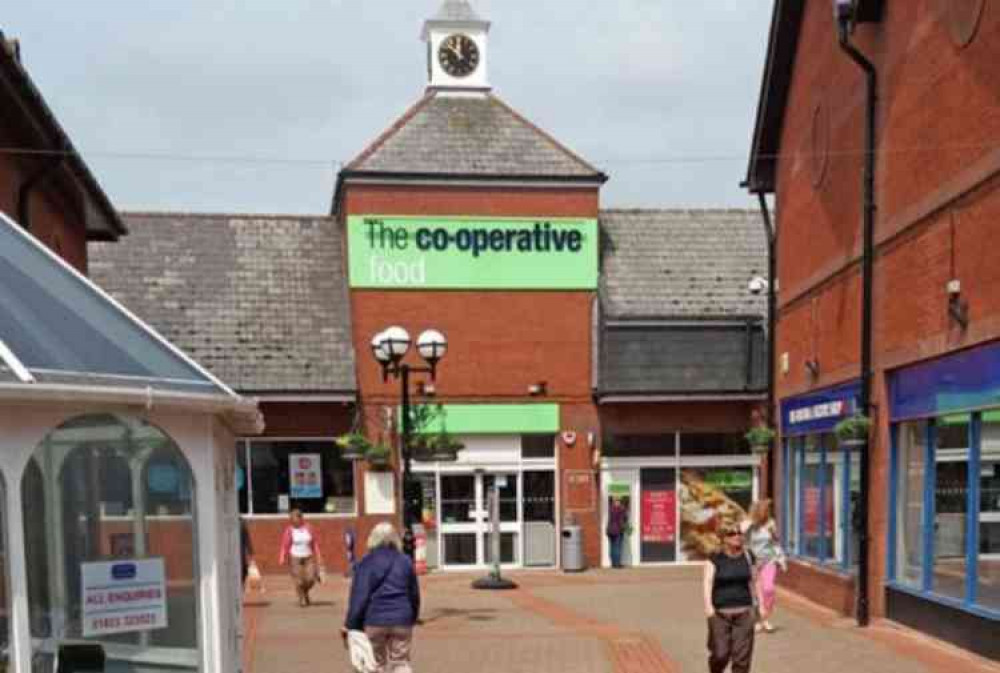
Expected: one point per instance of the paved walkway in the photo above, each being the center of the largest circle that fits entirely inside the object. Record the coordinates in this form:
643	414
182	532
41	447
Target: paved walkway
630	621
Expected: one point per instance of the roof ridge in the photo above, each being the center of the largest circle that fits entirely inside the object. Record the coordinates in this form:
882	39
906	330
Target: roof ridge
384	137
545	134
222	215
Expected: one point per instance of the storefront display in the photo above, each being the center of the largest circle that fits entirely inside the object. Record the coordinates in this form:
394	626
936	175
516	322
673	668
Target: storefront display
945	453
282	474
710	500
821	479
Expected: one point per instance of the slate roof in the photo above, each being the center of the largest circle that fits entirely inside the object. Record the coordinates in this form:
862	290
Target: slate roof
457	10
681	263
260	301
449	135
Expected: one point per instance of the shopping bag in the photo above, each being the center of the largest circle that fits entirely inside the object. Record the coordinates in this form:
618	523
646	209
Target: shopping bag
360	650
254	579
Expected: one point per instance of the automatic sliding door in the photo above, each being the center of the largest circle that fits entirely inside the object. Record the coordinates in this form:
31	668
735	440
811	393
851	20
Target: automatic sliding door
459	520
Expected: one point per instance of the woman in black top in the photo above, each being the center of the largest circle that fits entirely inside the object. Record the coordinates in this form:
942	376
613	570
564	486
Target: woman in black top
729	604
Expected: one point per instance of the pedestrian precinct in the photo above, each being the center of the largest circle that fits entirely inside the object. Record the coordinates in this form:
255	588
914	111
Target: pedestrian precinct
616	530
762	538
729	594
300	549
385	600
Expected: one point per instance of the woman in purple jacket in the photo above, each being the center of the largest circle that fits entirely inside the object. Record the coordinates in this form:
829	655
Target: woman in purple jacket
617	528
385	600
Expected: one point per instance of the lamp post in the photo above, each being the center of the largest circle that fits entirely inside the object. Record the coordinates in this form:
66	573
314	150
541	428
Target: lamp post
390	348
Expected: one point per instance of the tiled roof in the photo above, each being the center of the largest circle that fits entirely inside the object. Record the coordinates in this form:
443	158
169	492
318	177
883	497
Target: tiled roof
261	301
681	263
456	10
469	136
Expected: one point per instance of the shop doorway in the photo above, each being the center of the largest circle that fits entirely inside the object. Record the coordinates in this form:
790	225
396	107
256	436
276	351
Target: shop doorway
466	538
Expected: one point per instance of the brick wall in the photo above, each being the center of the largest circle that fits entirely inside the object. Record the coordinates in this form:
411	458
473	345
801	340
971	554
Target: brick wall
938	195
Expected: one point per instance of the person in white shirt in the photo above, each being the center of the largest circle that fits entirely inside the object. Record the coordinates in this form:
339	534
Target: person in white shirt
300	549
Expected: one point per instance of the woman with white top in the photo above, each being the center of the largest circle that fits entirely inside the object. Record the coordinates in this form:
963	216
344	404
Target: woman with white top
300	549
762	538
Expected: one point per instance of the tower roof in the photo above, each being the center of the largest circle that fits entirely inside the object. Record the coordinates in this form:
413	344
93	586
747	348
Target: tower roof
457	10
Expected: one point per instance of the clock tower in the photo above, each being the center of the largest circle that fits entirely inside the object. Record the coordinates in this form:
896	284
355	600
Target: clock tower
456	40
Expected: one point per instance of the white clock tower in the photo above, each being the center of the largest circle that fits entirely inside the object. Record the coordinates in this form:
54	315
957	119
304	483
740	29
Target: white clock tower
457	49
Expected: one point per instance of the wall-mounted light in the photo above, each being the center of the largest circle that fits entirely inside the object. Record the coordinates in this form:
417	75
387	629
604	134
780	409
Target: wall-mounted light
538	389
958	308
812	366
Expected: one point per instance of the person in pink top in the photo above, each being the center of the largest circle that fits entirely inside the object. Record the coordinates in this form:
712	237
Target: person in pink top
300	549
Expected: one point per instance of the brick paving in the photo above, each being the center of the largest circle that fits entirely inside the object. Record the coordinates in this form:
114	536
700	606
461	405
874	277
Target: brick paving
630	621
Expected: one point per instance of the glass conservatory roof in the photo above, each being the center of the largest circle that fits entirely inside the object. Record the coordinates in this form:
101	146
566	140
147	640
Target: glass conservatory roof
58	327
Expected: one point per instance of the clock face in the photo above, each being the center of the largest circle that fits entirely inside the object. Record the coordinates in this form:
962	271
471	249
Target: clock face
459	55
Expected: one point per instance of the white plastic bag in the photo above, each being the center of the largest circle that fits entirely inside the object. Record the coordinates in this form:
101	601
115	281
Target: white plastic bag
361	653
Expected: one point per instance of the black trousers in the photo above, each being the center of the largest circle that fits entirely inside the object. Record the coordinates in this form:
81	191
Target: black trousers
730	639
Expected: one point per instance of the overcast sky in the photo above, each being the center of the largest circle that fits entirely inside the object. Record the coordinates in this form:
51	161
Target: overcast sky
257	100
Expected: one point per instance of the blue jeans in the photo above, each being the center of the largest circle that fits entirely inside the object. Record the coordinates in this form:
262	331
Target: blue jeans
616	550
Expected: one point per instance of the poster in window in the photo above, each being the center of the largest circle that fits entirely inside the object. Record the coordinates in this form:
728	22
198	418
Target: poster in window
305	475
810	521
711	498
659	515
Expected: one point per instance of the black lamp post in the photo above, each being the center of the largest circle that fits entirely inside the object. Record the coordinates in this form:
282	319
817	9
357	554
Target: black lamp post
389	348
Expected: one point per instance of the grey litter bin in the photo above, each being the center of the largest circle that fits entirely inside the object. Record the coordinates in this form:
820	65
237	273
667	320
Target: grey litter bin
572	549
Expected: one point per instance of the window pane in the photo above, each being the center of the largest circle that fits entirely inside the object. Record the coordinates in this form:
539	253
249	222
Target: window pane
835	473
242	478
813	473
912	440
101	494
657	516
640	446
508	495
951	498
538	446
854	511
270	483
458	498
988	593
714	444
792	496
540	496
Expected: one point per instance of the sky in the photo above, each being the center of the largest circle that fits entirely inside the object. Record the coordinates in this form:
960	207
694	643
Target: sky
249	106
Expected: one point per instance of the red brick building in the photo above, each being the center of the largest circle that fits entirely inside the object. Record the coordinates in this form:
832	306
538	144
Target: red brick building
592	353
933	507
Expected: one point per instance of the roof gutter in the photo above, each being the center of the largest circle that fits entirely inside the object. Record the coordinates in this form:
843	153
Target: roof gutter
240	414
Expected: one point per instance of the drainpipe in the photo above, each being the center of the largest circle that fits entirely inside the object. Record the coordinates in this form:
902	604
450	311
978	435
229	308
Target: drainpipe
29	185
845	17
772	320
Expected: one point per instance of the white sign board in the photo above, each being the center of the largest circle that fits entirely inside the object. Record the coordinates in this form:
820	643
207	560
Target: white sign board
305	476
122	596
380	493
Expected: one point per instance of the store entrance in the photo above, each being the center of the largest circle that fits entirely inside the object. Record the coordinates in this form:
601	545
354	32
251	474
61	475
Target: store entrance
466	538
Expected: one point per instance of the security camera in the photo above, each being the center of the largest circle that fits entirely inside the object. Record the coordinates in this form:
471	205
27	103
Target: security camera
757	285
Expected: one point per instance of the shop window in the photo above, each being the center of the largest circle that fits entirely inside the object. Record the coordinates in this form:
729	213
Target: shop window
540	497
709	498
790	524
912	465
538	447
988	554
309	475
714	444
108	502
640	446
951	498
817	505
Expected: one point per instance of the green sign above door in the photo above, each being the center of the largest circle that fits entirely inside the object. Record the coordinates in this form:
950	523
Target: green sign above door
455	253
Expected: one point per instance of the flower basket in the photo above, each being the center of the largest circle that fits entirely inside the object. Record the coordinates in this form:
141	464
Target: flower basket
445	448
353	446
760	439
379	457
853	432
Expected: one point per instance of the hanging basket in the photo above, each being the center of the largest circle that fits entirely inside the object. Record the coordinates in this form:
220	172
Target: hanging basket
379	457
853	431
353	446
759	439
853	443
760	449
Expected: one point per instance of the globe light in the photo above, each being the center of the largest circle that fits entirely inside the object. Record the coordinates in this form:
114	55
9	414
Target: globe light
378	348
432	345
396	342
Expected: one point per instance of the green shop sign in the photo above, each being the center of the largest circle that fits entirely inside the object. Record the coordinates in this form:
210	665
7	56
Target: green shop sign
730	480
453	253
496	419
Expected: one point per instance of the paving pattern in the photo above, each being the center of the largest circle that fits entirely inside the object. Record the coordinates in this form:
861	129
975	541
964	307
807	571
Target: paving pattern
631	621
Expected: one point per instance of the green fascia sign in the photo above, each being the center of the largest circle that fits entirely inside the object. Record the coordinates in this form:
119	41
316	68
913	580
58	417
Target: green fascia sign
497	419
737	480
458	253
619	490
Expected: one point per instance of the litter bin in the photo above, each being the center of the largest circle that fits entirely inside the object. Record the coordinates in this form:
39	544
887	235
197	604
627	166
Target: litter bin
572	549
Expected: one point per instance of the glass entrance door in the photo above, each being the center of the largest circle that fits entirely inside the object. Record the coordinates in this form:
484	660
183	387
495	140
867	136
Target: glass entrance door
466	534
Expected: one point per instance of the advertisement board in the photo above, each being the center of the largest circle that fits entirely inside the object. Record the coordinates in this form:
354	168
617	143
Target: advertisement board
659	515
439	253
305	476
123	596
